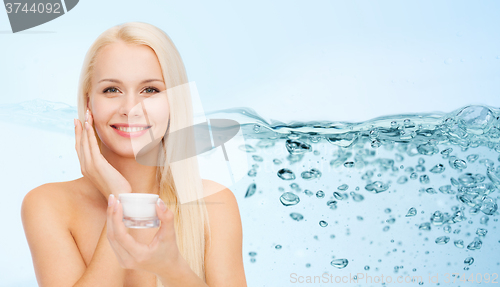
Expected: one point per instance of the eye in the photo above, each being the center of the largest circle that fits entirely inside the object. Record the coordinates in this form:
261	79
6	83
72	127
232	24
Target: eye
152	89
113	89
107	89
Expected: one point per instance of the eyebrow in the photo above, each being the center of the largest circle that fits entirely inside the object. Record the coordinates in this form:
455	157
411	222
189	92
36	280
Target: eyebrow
120	82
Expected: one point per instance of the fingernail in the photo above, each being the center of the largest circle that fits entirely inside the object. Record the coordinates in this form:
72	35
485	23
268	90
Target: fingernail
74	121
87	125
87	115
116	205
161	204
111	199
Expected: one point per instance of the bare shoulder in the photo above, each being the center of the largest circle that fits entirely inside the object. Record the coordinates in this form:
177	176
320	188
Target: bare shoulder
217	192
46	197
222	207
46	213
54	198
223	255
221	201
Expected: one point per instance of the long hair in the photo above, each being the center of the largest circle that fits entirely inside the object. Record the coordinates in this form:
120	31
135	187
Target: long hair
191	220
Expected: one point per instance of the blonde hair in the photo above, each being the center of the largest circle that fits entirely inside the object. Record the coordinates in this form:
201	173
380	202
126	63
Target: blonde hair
191	220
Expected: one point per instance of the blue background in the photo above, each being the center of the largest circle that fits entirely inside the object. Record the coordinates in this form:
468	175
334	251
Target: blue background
288	60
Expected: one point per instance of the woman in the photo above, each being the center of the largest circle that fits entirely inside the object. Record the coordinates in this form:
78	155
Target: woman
74	228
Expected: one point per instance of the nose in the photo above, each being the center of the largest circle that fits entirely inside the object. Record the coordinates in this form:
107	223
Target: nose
131	106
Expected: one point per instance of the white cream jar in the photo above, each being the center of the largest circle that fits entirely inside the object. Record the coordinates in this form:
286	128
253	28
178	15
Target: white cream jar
139	210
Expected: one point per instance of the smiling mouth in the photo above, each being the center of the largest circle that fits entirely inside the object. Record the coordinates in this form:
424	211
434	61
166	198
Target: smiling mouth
131	129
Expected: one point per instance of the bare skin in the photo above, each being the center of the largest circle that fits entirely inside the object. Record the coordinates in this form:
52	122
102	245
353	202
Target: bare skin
83	211
65	222
88	213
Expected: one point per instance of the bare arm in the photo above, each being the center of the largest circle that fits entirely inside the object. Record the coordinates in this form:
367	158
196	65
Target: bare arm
104	269
56	257
224	258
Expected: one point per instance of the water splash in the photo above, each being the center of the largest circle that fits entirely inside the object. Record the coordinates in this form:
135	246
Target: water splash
444	164
41	114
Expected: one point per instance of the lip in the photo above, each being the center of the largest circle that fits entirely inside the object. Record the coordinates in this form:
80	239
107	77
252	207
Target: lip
131	134
128	125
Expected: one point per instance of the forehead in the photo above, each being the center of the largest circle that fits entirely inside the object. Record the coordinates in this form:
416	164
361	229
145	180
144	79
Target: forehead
126	62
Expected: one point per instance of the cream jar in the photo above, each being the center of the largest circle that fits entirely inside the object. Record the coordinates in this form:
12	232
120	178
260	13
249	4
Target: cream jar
139	210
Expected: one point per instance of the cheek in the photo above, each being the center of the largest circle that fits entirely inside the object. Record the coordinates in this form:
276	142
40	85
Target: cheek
99	119
97	109
101	115
161	112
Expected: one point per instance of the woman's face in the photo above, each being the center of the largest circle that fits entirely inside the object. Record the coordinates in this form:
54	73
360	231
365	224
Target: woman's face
128	98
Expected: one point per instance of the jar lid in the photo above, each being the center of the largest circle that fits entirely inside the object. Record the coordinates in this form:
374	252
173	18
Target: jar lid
138	197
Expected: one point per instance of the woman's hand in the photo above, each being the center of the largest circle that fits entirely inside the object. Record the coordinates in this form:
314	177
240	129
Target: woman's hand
93	164
156	257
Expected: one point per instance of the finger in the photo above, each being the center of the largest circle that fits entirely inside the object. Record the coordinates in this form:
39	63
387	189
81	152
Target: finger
133	248
78	133
85	145
93	145
120	252
109	215
166	232
80	151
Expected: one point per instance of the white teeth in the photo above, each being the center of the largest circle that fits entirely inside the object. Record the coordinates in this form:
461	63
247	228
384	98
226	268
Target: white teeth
131	129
